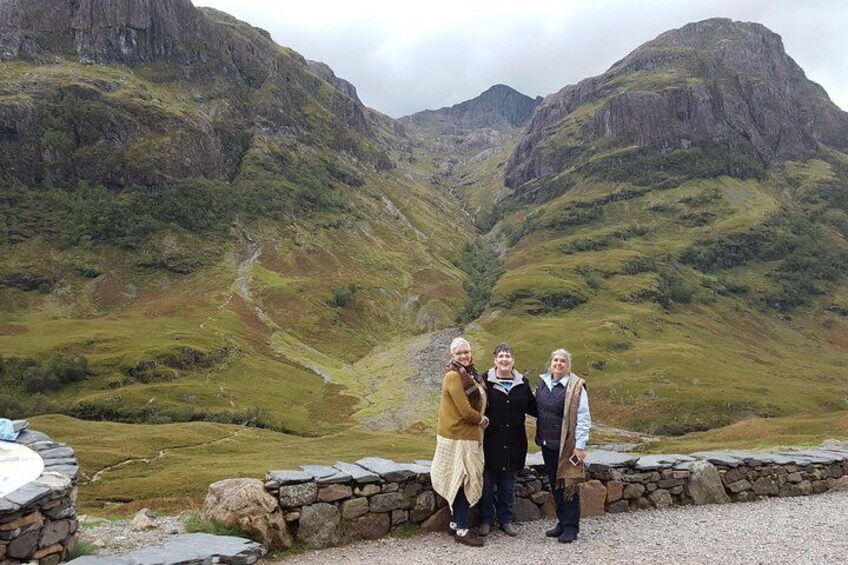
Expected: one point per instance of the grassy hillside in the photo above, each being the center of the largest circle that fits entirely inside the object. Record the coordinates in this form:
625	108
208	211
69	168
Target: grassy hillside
688	305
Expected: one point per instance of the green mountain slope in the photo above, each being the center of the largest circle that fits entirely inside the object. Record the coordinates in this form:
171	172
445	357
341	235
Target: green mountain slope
684	233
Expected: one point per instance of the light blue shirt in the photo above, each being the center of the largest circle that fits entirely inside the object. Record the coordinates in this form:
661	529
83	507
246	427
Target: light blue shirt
584	418
7	430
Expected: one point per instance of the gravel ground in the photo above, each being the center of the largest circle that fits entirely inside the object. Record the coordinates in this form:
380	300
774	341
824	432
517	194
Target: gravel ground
109	537
810	529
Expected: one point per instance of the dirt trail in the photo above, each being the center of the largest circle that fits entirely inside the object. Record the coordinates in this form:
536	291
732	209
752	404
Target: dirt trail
147	460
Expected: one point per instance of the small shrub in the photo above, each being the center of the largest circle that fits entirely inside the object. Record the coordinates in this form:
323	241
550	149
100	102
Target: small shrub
195	523
343	295
80	549
89	271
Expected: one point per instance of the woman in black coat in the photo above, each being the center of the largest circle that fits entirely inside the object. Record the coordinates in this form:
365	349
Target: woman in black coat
505	441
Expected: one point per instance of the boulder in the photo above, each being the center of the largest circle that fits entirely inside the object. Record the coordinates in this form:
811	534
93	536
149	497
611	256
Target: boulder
319	525
388	502
526	511
841	484
246	505
438	522
370	526
334	492
546	503
705	485
354	508
144	519
661	498
593	495
615	490
425	504
298	494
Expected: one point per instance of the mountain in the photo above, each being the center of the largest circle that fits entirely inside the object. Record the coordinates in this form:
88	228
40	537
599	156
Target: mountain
196	199
480	123
713	83
121	93
682	221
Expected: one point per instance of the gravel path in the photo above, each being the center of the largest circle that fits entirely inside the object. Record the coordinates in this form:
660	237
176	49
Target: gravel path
810	529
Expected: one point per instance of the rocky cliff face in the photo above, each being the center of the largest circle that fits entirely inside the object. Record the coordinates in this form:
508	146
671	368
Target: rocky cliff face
478	123
715	81
127	32
205	95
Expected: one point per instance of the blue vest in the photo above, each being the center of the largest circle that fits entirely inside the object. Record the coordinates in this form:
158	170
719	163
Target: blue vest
551	406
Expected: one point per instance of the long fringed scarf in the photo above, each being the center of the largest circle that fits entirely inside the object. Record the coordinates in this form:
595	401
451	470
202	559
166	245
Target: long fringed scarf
472	384
570	476
470	380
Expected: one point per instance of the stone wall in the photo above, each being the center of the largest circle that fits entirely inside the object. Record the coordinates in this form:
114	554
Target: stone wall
38	521
331	505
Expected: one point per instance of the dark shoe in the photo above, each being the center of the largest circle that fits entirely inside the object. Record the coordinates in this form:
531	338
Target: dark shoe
509	529
484	530
566	537
470	538
554	532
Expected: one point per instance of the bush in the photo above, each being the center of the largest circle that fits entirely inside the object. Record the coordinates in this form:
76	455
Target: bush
484	268
343	295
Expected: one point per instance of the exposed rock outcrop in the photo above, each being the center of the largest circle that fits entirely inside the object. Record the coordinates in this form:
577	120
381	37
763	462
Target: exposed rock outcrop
478	123
715	81
205	95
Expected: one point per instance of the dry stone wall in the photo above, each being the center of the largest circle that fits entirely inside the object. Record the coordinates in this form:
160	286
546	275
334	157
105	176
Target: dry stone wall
38	521
330	505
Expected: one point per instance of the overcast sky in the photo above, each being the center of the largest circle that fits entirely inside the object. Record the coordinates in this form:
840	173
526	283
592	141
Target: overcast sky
409	56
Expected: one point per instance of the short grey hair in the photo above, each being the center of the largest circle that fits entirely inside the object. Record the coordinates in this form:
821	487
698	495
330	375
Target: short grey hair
458	342
562	353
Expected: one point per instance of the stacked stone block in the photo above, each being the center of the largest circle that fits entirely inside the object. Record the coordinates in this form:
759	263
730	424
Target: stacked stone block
331	505
38	522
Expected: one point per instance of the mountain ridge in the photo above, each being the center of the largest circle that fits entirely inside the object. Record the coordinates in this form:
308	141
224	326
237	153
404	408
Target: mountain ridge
715	81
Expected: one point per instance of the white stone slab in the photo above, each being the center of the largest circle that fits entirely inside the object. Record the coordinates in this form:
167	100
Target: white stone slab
19	465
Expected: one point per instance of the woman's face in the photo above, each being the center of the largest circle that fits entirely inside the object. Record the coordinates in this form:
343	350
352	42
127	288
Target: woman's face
504	362
462	355
560	365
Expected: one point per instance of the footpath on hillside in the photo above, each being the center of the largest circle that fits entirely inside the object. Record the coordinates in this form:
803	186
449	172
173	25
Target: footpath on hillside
809	529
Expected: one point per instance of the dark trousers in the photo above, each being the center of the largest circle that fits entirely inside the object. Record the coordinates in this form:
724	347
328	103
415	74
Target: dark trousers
568	511
460	509
504	500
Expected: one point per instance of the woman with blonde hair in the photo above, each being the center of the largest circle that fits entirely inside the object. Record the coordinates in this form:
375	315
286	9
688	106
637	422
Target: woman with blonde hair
562	430
457	468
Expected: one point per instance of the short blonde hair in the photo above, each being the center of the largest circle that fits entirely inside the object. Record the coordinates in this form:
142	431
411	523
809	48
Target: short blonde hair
459	342
562	353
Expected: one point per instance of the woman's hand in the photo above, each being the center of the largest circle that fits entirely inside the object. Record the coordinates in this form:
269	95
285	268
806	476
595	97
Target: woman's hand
484	423
580	453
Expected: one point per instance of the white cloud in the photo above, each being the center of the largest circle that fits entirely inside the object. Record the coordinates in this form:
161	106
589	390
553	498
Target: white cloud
408	56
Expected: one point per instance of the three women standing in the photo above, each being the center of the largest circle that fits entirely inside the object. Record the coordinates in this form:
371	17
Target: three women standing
462	476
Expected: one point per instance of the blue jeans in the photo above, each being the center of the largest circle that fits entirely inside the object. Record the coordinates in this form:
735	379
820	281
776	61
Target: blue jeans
568	511
504	482
460	509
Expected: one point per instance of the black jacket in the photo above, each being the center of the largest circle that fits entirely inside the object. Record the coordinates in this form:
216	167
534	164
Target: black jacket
505	440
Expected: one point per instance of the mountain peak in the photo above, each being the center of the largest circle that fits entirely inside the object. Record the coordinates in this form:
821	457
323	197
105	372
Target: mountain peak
714	81
499	107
